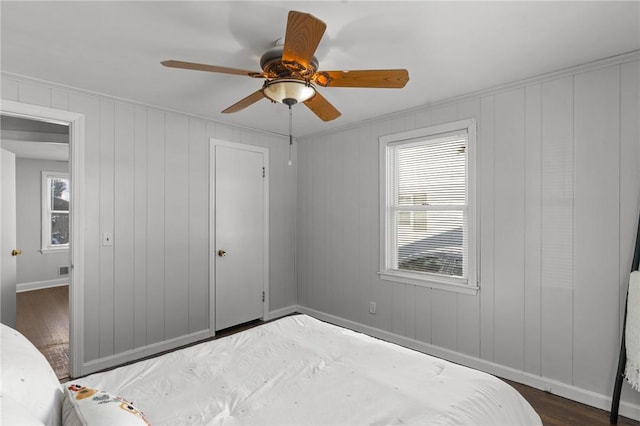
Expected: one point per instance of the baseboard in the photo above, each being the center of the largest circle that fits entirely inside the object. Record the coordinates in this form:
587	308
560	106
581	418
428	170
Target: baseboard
283	312
555	387
142	352
39	285
156	348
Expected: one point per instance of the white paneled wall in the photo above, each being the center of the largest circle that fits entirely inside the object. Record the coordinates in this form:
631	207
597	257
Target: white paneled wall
559	196
147	182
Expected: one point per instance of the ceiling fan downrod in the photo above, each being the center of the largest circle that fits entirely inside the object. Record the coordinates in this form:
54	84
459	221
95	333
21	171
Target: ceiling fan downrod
290	102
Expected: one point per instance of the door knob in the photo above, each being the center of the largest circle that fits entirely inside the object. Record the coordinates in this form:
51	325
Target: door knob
222	253
16	252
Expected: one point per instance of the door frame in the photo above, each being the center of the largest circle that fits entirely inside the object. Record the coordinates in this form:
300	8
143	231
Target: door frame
213	142
75	121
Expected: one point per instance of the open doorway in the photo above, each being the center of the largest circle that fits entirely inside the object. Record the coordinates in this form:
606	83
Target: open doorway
41	190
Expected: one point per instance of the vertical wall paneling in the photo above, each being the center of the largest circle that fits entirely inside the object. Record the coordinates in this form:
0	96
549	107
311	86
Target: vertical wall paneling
367	253
283	220
557	230
382	292
155	226
629	170
350	202
324	237
107	202
9	89
140	237
486	182
35	93
532	230
339	229
509	213
90	107
290	226
629	185
198	195
60	99
423	314
369	212
330	283
124	187
310	242
303	223
597	216
444	318
399	309
176	226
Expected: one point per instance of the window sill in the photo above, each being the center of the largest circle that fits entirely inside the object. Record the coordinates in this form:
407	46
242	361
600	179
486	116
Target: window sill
408	278
54	250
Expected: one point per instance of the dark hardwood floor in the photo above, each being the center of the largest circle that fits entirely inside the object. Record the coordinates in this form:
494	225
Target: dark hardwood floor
43	316
557	411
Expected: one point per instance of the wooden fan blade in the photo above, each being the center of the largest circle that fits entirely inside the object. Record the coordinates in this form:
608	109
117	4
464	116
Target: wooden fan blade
393	79
243	103
210	68
322	108
304	32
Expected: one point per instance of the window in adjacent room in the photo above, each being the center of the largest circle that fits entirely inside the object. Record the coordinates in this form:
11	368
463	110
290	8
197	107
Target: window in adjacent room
428	207
55	211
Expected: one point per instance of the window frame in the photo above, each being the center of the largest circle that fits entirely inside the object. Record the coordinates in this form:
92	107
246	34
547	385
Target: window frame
388	189
46	213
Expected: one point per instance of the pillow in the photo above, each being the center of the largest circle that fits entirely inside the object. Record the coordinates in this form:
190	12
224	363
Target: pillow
14	413
28	379
87	406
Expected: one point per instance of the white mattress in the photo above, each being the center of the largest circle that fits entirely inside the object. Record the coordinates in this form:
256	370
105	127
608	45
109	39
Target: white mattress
299	370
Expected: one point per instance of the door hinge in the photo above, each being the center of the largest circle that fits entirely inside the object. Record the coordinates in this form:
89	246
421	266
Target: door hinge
263	296
263	172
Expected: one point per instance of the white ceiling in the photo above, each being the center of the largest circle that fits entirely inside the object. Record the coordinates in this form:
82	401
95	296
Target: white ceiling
449	49
34	139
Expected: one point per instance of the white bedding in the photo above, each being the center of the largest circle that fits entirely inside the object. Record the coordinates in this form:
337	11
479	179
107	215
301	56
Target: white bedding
299	370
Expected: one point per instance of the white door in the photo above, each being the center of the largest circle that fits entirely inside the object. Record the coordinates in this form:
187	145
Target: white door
8	264
240	233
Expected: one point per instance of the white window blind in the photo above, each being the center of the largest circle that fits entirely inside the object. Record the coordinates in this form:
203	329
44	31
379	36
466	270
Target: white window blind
427	207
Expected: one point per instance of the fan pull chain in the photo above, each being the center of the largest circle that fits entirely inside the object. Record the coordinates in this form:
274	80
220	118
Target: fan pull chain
290	134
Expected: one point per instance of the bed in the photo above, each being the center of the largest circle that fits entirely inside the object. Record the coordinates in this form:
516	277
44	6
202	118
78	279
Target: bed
293	371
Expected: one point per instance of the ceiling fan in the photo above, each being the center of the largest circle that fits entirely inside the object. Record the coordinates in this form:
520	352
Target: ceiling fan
291	71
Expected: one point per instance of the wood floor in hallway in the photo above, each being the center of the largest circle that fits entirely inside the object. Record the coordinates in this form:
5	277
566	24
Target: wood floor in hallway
43	317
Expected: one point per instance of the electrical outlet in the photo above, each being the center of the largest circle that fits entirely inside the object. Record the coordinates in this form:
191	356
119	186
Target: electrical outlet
372	307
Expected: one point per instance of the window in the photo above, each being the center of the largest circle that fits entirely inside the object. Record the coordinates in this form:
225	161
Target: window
427	207
55	211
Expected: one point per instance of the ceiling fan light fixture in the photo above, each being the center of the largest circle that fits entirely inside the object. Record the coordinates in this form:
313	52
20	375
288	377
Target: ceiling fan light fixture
288	91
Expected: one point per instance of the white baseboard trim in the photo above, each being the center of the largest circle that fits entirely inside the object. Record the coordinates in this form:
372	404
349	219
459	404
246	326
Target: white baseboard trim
136	354
281	312
555	387
39	285
142	352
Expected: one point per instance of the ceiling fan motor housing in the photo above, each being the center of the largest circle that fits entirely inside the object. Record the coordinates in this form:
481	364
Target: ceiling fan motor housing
272	64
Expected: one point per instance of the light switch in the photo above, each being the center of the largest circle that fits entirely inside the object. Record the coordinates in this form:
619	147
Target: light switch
107	239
